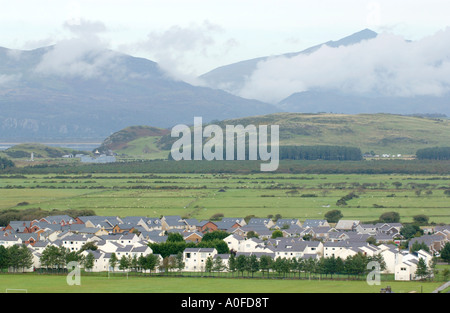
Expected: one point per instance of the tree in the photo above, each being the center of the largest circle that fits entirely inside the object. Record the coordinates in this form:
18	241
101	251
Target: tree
422	269
265	263
421	219
175	237
49	257
232	264
252	234
446	274
90	245
25	258
113	261
216	217
410	231
73	256
253	264
124	263
379	259
282	266
218	265
356	264
3	258
277	234
148	262
218	244
209	264
331	265
248	218
61	257
389	217
294	266
416	246
397	184
164	265
310	266
333	216
179	261
241	262
89	261
445	253
6	163
217	234
173	262
134	263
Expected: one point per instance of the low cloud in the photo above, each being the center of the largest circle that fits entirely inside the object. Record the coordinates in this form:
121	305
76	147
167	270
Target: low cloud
387	65
84	55
6	80
175	48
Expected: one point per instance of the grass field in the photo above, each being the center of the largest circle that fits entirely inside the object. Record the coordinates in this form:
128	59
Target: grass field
89	284
203	195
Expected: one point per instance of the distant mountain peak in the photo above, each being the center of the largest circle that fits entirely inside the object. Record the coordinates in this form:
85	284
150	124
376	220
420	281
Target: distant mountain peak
365	34
232	77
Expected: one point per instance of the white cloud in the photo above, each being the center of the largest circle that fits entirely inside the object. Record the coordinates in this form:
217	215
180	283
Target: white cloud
5	80
179	49
84	55
386	65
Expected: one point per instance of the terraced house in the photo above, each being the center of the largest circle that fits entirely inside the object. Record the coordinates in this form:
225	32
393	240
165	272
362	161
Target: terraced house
130	237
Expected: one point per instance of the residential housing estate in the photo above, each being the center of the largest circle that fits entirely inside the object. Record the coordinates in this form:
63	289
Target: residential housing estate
130	236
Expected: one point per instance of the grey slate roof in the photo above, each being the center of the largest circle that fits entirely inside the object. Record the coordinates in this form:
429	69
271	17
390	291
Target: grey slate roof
313	223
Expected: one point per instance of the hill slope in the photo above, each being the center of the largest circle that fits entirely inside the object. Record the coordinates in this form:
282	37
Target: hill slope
136	141
381	133
39	151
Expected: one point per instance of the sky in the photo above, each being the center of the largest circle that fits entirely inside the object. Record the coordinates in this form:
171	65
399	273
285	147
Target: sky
192	37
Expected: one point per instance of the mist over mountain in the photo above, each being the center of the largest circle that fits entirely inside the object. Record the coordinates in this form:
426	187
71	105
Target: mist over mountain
233	77
75	91
78	89
362	73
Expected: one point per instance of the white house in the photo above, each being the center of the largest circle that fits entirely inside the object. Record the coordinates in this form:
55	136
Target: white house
406	269
8	241
74	242
195	258
391	257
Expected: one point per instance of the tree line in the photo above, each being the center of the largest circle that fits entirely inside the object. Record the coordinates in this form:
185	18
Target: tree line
328	153
244	265
16	257
325	152
435	153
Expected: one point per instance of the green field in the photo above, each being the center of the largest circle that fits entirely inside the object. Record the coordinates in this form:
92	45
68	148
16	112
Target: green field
203	195
93	284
